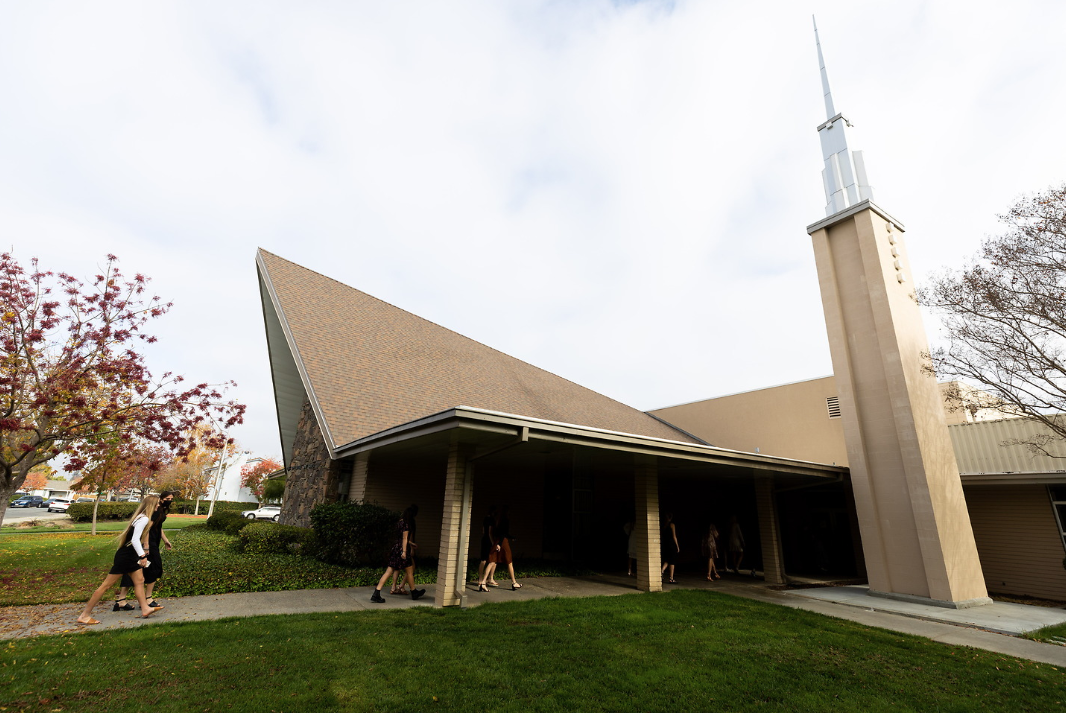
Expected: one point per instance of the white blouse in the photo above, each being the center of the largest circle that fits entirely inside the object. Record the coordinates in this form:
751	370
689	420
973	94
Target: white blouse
138	529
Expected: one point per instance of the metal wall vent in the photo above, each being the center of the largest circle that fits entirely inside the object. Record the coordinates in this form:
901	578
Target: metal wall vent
833	404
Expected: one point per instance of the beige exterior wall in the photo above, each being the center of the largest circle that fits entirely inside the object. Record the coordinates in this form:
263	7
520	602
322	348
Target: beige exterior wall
791	421
1017	536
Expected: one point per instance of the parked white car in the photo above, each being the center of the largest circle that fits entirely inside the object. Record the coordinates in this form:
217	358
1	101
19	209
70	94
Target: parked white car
58	505
267	512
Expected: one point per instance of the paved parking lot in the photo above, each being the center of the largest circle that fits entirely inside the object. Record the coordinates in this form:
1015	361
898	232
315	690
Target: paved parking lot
16	515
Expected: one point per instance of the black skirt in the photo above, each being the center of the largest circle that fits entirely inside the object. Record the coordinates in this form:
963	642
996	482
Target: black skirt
152	572
126	561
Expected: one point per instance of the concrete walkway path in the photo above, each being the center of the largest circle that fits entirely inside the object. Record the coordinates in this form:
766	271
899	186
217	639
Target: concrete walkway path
976	628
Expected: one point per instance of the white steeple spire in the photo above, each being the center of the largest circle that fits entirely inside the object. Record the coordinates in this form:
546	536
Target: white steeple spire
844	175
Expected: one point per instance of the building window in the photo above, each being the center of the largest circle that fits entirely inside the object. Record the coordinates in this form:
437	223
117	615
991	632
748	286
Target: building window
833	404
1058	504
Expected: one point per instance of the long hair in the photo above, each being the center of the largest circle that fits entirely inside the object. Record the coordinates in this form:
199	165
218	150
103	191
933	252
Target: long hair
146	508
409	514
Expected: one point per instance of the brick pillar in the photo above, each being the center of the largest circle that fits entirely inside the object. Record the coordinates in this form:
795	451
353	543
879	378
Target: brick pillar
773	562
360	470
455	527
649	557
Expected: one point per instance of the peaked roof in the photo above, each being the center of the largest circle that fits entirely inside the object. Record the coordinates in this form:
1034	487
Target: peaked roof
369	366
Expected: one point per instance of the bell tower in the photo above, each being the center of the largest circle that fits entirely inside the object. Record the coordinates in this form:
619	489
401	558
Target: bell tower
915	528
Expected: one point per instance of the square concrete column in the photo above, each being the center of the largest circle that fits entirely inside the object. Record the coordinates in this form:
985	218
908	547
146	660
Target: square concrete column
649	557
773	562
360	469
455	527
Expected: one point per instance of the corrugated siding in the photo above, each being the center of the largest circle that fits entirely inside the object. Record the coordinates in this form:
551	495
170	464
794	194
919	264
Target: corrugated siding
978	448
1018	541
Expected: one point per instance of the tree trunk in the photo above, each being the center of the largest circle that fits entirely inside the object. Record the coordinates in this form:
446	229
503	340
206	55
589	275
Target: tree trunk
96	506
5	498
197	510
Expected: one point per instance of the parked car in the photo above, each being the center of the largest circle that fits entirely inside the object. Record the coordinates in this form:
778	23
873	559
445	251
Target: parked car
267	512
27	501
58	505
85	500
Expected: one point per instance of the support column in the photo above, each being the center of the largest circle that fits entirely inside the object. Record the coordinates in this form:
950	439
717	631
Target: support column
454	528
649	556
360	469
773	562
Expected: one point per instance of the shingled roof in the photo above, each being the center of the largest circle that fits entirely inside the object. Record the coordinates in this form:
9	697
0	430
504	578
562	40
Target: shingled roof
369	366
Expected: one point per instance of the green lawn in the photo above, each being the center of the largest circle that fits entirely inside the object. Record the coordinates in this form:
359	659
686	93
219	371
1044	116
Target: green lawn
1049	634
684	651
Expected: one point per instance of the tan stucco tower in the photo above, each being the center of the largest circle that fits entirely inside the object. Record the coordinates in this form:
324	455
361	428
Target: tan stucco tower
915	529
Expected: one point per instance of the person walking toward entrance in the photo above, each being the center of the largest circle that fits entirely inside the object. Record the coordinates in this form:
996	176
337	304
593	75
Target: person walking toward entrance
630	528
154	571
710	549
502	554
736	543
400	557
398	577
488	528
131	557
670	547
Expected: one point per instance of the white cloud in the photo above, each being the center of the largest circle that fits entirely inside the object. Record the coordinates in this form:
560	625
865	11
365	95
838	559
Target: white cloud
615	192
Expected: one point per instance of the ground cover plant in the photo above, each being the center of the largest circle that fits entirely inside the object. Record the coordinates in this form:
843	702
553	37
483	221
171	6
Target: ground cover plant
57	568
687	650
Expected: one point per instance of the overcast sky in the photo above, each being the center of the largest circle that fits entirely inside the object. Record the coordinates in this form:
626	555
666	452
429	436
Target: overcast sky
614	191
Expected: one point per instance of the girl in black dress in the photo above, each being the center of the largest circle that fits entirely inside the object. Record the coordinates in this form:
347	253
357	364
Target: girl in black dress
400	557
131	558
154	571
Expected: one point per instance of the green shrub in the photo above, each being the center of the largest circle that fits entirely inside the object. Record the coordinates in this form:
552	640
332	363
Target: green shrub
353	534
268	538
229	522
83	512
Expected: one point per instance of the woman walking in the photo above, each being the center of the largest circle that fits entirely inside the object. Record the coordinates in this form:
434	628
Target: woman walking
502	555
710	548
398	577
131	558
154	571
488	546
400	557
669	545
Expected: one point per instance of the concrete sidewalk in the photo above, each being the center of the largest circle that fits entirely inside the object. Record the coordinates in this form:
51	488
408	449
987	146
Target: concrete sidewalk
977	627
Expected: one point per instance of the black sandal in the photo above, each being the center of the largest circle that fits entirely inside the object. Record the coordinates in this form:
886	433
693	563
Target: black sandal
122	607
482	588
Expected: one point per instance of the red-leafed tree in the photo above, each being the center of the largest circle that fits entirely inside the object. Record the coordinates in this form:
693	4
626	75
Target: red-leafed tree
72	379
253	475
120	462
36	480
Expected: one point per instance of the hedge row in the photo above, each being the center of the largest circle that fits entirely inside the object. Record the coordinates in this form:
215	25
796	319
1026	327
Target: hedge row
353	534
228	521
268	538
83	512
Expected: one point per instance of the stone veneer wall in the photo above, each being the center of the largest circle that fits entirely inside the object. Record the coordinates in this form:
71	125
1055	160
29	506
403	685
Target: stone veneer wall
312	475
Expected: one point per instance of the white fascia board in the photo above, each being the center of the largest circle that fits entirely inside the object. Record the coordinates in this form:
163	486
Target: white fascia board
541	429
267	286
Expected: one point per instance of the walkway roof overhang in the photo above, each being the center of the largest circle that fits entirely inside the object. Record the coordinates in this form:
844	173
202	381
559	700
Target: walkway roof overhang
491	432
